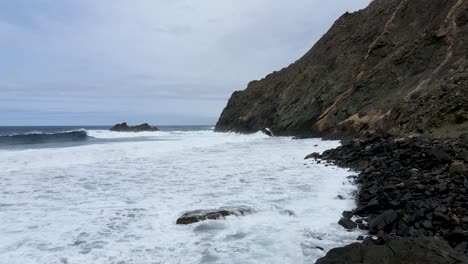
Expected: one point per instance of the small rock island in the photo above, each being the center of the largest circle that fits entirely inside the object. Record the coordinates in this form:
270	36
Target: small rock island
123	127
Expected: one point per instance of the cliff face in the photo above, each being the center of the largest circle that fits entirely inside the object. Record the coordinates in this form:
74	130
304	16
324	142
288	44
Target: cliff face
397	65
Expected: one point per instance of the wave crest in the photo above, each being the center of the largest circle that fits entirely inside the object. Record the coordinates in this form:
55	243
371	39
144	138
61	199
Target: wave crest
38	138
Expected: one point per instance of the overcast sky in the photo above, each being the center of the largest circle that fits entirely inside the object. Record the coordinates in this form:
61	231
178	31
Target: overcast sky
78	62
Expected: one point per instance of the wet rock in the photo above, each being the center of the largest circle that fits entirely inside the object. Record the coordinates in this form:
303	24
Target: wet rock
405	190
384	221
347	223
267	132
211	214
314	155
347	214
372	207
421	250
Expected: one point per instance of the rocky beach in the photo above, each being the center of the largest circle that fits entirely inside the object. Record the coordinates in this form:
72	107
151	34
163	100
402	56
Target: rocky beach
411	199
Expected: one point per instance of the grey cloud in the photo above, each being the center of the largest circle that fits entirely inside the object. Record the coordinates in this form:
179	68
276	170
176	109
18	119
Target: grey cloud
174	29
174	60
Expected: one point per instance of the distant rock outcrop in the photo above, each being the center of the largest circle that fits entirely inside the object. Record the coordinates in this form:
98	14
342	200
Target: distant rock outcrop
123	127
397	65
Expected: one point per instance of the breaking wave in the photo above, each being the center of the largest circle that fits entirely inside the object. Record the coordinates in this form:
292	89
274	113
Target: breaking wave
40	138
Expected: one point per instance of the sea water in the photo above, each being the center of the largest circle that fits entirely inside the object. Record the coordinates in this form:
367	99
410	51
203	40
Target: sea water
115	198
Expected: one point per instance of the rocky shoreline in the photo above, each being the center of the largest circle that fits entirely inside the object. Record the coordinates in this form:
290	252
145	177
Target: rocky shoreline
412	199
397	66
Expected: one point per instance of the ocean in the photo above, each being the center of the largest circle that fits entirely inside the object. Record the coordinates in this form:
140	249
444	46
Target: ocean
89	195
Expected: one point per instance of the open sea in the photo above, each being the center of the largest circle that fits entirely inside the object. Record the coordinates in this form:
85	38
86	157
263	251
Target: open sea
88	195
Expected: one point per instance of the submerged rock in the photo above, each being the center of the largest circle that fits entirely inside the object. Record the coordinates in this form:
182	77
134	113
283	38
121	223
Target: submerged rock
287	212
212	214
123	127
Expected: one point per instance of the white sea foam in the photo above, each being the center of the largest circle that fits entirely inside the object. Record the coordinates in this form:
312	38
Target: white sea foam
106	134
118	202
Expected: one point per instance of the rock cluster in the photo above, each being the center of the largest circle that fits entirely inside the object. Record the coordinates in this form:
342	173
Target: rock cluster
409	187
123	127
396	250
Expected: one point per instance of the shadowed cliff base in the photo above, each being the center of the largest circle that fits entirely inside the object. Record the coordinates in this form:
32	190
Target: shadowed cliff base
397	65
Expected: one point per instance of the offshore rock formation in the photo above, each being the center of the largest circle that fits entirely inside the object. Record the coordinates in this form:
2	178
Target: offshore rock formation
140	128
397	65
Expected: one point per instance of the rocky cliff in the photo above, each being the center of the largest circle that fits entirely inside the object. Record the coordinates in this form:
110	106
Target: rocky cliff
397	65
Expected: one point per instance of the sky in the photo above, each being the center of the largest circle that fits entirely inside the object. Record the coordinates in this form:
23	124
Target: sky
165	62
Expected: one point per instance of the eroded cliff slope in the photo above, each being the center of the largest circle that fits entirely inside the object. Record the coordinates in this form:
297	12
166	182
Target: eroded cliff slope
398	65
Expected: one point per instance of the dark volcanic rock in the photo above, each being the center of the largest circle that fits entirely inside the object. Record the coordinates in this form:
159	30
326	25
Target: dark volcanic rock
212	214
140	128
383	221
422	250
347	223
267	132
411	186
397	65
314	155
371	207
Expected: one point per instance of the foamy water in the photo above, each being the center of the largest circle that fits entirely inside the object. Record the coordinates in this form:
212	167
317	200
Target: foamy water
118	202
